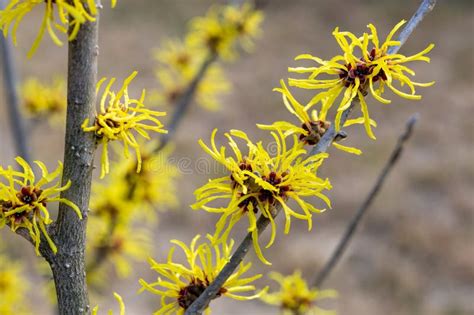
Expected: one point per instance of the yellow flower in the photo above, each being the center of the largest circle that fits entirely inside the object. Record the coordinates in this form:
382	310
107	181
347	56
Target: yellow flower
223	27
260	181
179	285
295	297
118	245
95	310
42	100
312	128
13	287
23	200
120	118
60	15
178	55
245	22
353	76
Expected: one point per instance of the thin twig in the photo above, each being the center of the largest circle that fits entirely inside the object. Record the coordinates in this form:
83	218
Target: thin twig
17	124
425	7
351	228
326	140
200	304
184	102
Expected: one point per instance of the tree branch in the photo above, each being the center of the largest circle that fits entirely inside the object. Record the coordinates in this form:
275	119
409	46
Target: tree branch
69	233
200	304
394	157
17	125
425	7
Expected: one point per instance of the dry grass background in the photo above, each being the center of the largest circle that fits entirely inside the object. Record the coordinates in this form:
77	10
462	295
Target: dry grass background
413	253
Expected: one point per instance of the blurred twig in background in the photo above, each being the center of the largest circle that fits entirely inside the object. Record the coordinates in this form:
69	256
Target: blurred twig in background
184	101
198	306
351	228
17	124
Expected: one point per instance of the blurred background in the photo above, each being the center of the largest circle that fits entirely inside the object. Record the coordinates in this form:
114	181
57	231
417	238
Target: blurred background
413	253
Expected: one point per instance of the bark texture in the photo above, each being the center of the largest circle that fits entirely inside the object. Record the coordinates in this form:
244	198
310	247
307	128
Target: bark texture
69	233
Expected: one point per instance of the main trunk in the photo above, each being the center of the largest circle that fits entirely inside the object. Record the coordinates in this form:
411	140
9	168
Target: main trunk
68	265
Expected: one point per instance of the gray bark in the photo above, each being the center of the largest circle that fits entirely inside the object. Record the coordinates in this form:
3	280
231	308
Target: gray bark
69	233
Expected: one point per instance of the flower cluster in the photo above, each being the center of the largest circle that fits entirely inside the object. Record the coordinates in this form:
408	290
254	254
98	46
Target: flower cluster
24	201
180	285
119	118
220	32
295	297
225	26
44	101
312	128
13	287
364	66
259	181
125	199
59	15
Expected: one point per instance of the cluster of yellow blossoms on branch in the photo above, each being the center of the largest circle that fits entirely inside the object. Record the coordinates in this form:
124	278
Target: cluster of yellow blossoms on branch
179	285
262	182
42	100
295	297
365	65
259	181
61	15
24	201
119	118
222	32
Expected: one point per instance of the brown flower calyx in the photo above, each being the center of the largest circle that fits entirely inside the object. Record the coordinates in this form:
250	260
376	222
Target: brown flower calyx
250	201
362	70
265	195
193	290
244	165
183	59
213	41
315	130
29	194
275	180
173	95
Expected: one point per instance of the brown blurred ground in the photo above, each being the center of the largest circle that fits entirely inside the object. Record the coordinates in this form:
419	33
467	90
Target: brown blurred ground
413	254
